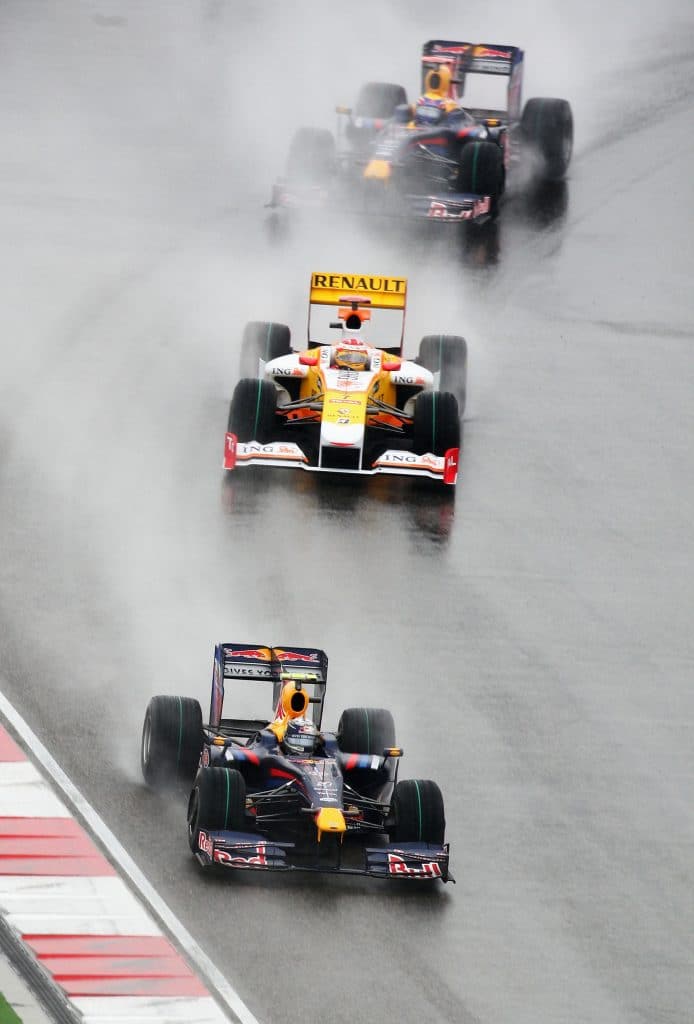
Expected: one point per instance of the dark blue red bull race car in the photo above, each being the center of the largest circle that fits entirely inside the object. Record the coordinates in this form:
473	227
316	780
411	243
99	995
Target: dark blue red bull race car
446	157
281	794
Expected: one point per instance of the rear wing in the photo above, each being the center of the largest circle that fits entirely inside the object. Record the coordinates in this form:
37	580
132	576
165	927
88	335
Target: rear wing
388	294
275	665
478	59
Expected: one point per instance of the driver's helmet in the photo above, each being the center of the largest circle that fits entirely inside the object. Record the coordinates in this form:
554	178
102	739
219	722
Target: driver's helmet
351	357
428	112
301	737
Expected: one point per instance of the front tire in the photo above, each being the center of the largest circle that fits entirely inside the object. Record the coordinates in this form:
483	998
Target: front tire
261	342
311	159
252	413
446	354
417	812
481	170
547	126
436	426
217	802
171	741
365	730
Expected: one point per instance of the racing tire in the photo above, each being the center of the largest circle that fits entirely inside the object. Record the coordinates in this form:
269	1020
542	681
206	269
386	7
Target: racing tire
446	354
217	801
547	126
311	159
365	730
481	170
436	425
252	410
379	100
417	813
171	741
262	341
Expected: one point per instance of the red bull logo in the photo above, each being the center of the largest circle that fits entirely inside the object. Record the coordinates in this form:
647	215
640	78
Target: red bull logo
295	656
257	653
484	51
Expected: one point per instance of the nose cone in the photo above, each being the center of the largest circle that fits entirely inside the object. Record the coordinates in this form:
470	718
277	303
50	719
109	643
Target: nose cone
330	819
377	170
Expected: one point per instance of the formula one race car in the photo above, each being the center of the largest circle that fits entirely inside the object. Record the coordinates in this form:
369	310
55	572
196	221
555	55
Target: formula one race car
280	794
441	158
353	405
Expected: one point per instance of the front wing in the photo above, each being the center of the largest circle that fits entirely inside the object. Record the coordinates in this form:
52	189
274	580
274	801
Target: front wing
443	468
251	852
452	207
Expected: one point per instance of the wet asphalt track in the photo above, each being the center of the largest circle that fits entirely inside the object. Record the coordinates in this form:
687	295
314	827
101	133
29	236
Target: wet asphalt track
533	639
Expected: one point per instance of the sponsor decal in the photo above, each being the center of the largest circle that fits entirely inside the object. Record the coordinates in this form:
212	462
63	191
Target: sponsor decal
481	206
409	459
360	283
492	67
254	671
256	859
486	51
205	843
439	211
205	759
294	656
287	371
258	653
442	211
397	865
437	48
404	378
274	448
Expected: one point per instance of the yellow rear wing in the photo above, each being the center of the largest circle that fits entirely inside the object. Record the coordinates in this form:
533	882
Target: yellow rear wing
383	292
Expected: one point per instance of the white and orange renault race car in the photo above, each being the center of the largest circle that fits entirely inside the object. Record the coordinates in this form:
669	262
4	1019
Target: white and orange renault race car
350	402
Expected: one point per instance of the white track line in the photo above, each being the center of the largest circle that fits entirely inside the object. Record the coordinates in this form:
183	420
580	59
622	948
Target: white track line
228	995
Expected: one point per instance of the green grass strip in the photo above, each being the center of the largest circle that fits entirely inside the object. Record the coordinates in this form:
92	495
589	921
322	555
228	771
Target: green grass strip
419	809
7	1014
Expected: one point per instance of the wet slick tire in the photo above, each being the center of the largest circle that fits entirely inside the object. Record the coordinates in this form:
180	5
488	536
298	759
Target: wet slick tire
218	801
446	354
379	100
547	126
171	741
262	341
311	159
417	811
252	410
365	730
436	425
481	169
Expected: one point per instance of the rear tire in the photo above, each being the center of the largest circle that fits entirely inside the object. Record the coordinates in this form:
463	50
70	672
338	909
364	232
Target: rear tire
262	341
418	813
547	126
379	100
436	426
446	354
365	730
171	741
252	411
218	801
311	159
481	169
